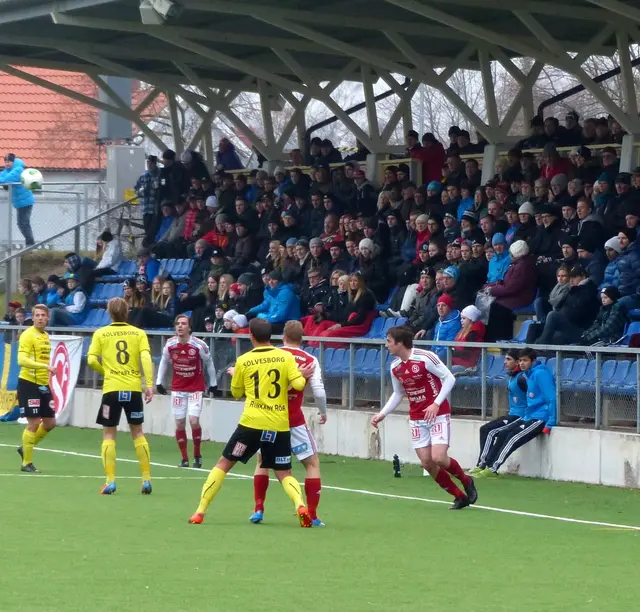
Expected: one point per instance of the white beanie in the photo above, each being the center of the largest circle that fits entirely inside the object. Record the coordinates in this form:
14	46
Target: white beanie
211	202
613	243
526	209
471	312
228	316
240	320
366	243
519	249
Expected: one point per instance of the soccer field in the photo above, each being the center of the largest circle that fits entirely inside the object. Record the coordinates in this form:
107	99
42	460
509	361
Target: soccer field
66	548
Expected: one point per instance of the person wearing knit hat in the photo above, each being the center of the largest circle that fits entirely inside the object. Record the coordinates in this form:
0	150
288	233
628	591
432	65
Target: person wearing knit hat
452	272
610	322
470	216
448	324
613	244
519	249
471	312
315	242
527	209
239	322
500	261
559	183
498	239
434	187
366	243
446	299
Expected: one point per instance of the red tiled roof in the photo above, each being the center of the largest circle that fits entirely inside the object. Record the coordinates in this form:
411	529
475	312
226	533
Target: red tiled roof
50	131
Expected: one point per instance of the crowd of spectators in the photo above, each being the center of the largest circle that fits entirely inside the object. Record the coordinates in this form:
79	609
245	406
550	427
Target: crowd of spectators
325	245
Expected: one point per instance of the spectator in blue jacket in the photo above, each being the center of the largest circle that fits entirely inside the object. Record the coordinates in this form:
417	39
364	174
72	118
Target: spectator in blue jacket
147	265
611	273
21	198
500	261
280	303
448	325
227	157
76	305
517	388
166	220
539	416
147	188
51	292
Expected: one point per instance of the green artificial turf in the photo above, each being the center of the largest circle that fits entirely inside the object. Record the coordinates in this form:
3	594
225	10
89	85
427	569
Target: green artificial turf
66	548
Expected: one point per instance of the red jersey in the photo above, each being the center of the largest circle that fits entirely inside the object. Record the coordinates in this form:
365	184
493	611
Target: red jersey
190	361
296	416
421	378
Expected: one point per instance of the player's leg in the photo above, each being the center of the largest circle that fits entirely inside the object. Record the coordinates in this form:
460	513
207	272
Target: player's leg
194	410
143	453
440	436
523	433
108	452
37	407
275	447
179	408
28	444
260	486
303	446
242	445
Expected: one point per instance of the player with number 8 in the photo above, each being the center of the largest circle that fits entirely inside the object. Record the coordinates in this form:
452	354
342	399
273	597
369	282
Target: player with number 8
121	353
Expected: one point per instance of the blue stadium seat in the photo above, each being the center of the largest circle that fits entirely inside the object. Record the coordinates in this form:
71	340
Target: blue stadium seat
375	331
126	269
105	319
387	303
92	319
371	365
521	336
496	374
358	359
169	267
628	386
578	372
618	378
633	328
183	269
327	357
634	314
338	364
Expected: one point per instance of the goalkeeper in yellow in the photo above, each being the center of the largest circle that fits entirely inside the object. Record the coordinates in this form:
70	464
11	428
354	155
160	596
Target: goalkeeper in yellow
117	351
263	375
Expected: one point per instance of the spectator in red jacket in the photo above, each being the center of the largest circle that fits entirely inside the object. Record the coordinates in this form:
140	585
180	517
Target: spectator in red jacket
473	330
553	164
431	154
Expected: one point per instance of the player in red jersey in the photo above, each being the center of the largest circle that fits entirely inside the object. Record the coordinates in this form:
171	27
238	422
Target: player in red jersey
303	446
190	359
427	382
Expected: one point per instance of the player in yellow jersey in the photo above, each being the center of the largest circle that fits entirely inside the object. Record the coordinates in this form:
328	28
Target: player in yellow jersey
122	348
34	394
264	376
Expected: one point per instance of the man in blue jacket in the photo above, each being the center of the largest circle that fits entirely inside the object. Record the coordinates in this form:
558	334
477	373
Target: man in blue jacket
539	416
517	388
447	326
21	198
280	303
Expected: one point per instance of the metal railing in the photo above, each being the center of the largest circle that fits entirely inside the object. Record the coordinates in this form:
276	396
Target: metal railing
75	230
596	387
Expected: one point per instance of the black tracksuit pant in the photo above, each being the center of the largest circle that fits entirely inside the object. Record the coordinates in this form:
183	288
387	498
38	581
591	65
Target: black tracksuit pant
488	434
511	438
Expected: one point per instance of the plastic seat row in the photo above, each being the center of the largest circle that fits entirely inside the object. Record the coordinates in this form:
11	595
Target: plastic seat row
126	269
179	269
98	317
103	292
381	326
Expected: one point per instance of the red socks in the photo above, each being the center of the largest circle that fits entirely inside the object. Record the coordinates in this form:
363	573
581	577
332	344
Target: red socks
260	486
457	472
312	488
181	438
444	480
196	434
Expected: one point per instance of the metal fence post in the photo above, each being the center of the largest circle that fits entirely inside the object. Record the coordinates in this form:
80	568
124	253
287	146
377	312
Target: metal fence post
600	418
558	384
352	377
638	394
76	231
86	216
483	388
321	357
383	359
8	276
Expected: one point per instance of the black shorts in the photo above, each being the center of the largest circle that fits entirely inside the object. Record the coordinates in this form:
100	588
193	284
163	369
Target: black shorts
114	402
274	446
35	401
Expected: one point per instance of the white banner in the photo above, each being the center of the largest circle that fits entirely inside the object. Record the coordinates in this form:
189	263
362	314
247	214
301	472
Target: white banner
66	356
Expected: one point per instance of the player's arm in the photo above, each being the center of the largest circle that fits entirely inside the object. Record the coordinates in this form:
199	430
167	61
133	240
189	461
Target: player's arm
25	350
318	390
95	351
147	365
439	369
208	366
237	381
165	363
294	375
393	402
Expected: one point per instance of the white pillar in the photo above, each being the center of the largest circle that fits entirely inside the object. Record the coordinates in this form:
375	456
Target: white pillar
489	161
271	165
373	169
628	156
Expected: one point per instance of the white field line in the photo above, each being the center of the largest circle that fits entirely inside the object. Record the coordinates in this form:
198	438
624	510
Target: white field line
549	517
21	475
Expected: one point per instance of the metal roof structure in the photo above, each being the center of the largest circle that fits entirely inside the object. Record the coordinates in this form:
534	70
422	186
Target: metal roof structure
283	46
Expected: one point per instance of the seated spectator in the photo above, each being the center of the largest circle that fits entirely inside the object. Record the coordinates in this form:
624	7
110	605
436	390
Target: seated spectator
314	294
426	298
500	262
146	265
334	309
110	249
166	220
527	228
576	313
10	316
82	270
174	244
544	306
76	305
517	290
159	312
373	270
593	263
447	326
244	250
20	317
360	313
610	322
51	295
473	269
539	417
280	303
517	388
451	227
320	257
25	289
611	273
472	330
553	164
591	229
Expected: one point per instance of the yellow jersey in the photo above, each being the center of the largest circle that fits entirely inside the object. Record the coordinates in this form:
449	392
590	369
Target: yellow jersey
35	346
264	375
122	348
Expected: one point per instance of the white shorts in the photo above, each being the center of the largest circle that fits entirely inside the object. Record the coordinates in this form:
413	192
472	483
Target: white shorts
435	432
186	403
303	445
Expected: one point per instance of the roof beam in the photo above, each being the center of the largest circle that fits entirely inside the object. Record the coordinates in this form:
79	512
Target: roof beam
9	15
619	8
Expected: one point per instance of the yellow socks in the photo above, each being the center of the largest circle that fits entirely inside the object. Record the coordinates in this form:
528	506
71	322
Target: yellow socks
40	434
28	442
109	459
292	489
211	488
144	456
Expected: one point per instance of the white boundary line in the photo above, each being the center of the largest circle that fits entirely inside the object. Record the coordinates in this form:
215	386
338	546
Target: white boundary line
550	517
21	475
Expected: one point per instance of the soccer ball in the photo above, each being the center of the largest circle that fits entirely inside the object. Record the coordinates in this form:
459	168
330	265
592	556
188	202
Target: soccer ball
32	179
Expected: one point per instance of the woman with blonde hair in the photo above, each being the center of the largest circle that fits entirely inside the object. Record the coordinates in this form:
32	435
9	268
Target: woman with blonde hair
224	283
156	291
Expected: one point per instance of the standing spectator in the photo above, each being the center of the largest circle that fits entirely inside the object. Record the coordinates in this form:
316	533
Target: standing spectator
22	199
195	166
111	250
432	155
25	289
226	156
328	153
147	189
553	164
174	180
